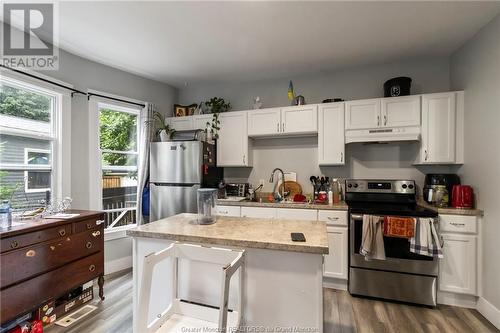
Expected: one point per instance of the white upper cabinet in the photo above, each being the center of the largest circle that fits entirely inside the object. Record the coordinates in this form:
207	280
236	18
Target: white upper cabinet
362	114
264	122
233	144
181	123
200	121
331	134
400	111
302	119
439	131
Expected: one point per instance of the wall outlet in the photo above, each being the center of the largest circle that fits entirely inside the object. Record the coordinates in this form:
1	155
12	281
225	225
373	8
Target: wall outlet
262	182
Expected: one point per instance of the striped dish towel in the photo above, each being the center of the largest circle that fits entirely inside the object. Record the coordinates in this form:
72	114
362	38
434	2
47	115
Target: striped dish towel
426	241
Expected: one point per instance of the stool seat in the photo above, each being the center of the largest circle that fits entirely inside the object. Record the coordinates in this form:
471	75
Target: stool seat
181	315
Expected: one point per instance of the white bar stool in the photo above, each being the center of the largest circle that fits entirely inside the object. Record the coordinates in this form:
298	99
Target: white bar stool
180	315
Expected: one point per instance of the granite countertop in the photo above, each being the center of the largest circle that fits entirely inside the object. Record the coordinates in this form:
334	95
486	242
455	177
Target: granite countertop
338	206
271	234
452	211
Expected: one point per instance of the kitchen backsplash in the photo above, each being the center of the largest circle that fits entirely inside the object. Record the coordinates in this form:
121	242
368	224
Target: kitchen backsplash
300	155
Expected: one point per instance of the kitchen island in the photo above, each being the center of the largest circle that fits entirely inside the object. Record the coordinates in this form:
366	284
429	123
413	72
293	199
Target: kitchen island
283	279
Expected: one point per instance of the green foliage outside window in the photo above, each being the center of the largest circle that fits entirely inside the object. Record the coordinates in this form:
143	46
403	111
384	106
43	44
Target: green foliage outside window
24	104
118	131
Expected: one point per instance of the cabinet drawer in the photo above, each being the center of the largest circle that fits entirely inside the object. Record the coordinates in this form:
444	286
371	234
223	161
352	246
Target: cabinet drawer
258	212
333	217
88	224
297	214
26	296
228	210
24	263
458	224
19	241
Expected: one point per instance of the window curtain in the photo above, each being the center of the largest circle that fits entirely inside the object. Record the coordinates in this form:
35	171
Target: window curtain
145	138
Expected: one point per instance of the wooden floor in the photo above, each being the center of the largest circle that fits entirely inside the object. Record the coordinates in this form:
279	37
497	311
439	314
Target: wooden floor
342	314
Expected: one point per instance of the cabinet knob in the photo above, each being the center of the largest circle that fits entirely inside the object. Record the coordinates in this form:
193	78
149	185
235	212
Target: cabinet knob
426	155
283	127
88	245
92	268
62	232
278	127
378	120
341	157
385	120
96	233
14	244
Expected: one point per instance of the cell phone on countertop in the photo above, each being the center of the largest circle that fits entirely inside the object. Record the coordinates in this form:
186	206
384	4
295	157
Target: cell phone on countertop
298	237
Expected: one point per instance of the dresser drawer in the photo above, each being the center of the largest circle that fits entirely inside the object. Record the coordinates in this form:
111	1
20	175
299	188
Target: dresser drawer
33	260
27	296
333	217
458	224
30	238
88	224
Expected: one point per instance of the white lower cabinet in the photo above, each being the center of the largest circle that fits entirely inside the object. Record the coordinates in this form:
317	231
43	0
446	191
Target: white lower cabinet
229	211
335	263
297	214
458	268
258	212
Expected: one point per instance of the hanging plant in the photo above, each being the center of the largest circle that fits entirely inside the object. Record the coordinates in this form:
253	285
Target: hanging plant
215	106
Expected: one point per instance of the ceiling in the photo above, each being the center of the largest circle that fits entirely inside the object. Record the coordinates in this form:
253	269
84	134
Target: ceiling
186	42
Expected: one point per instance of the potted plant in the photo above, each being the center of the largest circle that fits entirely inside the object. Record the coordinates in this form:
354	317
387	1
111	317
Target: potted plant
163	131
215	106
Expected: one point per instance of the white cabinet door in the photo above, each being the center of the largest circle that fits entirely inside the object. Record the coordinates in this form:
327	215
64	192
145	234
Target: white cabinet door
401	111
302	119
264	122
335	264
200	121
458	268
438	128
331	134
297	214
362	114
232	145
258	212
181	123
229	210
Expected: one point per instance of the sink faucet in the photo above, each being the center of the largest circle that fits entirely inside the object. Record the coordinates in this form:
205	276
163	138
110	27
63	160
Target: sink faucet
276	195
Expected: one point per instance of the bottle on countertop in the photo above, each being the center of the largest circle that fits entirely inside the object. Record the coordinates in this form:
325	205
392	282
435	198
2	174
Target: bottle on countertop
5	214
336	189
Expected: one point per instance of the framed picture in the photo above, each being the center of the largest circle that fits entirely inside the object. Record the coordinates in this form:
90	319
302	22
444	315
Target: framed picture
184	110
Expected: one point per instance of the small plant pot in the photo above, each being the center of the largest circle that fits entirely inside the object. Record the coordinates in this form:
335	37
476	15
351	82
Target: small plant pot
164	137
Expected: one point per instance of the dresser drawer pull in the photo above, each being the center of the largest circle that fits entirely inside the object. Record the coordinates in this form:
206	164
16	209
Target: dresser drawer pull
92	268
333	218
30	253
88	245
99	222
458	224
62	232
96	233
14	244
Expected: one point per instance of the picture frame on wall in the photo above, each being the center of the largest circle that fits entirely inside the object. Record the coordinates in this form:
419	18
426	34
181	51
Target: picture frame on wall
184	110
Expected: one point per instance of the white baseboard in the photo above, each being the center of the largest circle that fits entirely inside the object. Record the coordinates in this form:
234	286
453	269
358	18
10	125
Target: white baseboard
333	283
461	300
489	311
117	265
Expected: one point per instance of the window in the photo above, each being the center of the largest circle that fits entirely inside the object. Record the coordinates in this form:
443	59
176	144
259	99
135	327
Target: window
28	137
118	141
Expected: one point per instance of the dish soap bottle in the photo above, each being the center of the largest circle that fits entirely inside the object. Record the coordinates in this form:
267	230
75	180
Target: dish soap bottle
5	215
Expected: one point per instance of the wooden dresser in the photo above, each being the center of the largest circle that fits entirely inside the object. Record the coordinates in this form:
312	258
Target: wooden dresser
43	259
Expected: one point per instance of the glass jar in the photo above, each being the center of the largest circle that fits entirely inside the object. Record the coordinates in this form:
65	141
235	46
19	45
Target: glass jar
207	205
440	197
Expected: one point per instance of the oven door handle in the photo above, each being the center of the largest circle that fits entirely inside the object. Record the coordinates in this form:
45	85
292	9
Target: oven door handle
357	217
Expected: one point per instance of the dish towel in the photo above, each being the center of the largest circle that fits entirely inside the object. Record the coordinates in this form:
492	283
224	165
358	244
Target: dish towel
401	227
426	242
372	241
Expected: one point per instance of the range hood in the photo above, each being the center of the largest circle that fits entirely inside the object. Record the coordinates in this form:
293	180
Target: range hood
390	134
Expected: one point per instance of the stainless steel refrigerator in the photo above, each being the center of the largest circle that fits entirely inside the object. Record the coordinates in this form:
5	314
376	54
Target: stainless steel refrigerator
177	170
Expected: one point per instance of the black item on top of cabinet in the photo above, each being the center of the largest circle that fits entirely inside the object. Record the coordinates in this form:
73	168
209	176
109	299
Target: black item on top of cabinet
398	86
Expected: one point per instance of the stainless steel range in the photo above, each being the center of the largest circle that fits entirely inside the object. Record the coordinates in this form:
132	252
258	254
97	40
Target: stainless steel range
403	276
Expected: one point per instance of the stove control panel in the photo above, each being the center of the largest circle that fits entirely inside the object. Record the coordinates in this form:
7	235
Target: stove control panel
380	186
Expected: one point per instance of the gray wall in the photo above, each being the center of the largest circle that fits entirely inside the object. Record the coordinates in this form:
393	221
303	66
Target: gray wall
476	69
85	74
300	155
429	75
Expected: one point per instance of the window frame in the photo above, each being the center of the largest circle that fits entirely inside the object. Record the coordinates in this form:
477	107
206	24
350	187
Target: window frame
28	150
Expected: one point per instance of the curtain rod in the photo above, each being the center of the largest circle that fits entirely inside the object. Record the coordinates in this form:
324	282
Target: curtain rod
115	99
73	90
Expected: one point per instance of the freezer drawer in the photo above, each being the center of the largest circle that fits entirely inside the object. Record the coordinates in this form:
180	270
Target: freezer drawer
169	200
176	162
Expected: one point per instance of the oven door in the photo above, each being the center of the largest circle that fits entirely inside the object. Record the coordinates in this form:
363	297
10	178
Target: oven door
397	252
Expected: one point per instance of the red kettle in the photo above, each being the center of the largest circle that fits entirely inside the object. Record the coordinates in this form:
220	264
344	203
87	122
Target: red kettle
461	196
